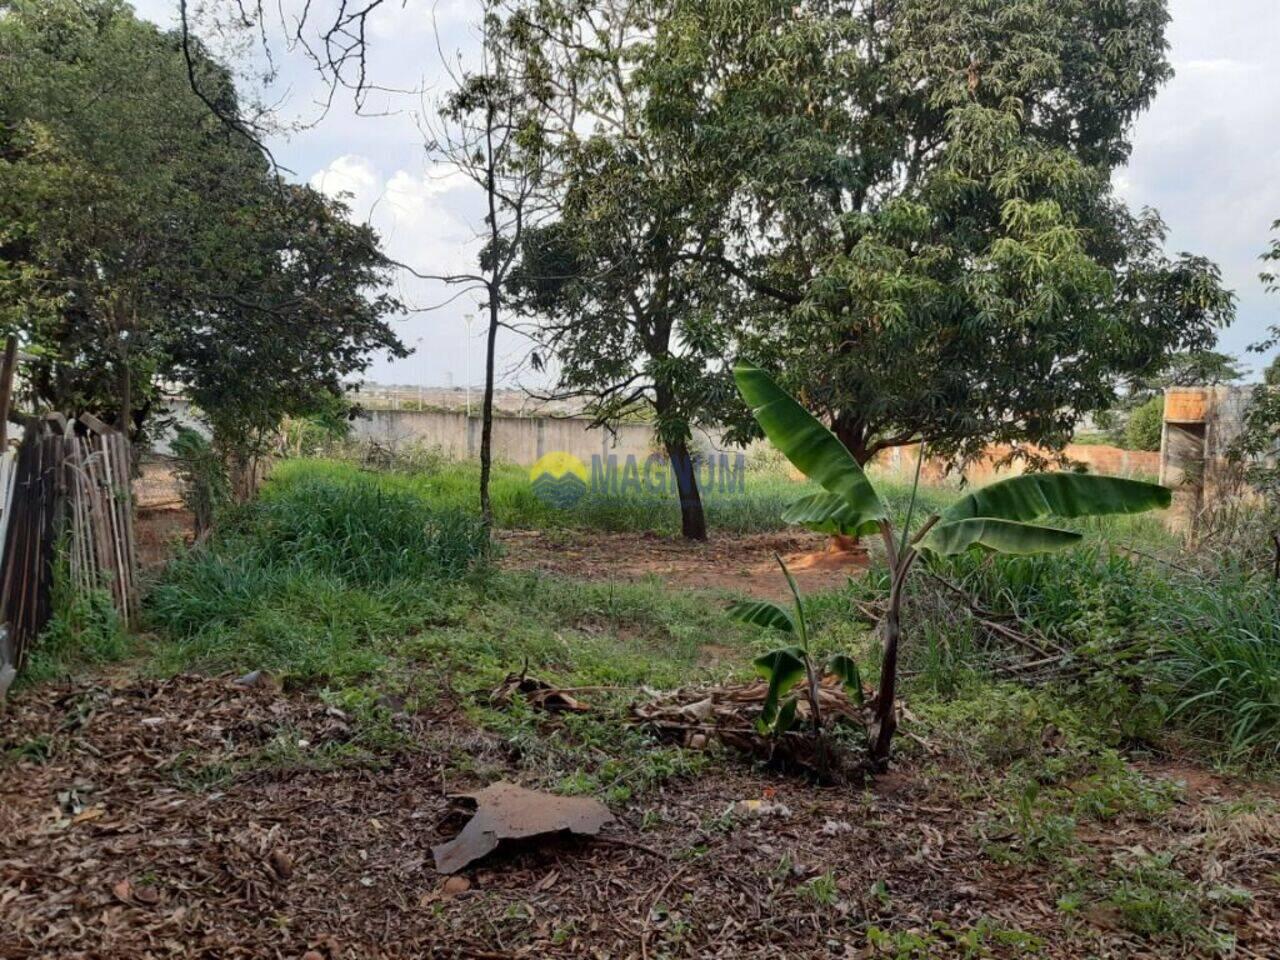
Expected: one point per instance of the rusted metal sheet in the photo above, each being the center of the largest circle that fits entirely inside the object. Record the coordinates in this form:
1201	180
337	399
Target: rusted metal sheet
505	811
1186	406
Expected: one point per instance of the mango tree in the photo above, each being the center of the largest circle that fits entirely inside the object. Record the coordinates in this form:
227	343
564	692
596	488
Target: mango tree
996	518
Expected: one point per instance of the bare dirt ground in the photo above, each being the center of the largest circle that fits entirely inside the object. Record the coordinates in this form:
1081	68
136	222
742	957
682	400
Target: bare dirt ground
127	832
737	565
162	521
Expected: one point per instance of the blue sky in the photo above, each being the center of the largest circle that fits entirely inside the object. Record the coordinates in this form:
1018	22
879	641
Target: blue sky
1206	155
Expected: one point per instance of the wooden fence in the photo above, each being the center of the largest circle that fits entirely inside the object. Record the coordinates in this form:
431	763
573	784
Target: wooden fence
71	491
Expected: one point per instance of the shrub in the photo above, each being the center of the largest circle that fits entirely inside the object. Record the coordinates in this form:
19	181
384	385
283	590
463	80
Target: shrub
202	478
1142	432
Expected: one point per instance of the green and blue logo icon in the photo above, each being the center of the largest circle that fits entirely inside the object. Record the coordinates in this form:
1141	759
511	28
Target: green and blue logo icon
559	479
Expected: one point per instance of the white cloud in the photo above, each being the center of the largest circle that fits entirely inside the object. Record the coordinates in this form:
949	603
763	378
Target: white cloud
427	221
1221	66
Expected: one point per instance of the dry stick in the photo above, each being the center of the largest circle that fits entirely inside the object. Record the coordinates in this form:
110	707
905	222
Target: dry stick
986	618
118	553
7	369
620	842
131	543
648	916
101	531
126	517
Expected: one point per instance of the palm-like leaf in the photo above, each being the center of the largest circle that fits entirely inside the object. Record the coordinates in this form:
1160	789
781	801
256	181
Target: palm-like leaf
809	445
762	613
1001	536
783	669
826	513
1037	495
846	668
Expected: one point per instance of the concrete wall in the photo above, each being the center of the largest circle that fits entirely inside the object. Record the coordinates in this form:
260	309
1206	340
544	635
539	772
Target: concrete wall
1200	424
521	440
1097	458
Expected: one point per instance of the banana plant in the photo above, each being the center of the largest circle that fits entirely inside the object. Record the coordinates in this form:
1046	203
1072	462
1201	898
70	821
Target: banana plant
998	518
785	667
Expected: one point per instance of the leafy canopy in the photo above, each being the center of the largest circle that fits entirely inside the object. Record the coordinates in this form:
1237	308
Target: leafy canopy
923	227
146	240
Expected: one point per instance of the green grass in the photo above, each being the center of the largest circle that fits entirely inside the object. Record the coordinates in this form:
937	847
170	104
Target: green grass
1159	644
768	488
84	632
354	582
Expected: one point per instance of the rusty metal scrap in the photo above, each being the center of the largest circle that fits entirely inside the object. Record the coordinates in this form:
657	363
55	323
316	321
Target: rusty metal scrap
505	811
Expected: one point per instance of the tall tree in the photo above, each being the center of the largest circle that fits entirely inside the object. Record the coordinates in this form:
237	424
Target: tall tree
923	212
157	241
622	300
490	129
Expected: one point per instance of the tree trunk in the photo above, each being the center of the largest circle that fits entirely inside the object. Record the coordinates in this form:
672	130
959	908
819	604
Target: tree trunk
854	438
886	718
693	521
486	414
126	393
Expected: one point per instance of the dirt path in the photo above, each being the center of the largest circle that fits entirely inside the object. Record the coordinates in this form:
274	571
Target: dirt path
728	564
127	832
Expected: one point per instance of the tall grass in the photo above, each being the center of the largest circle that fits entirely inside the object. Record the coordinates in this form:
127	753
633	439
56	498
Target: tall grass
1166	645
768	488
311	577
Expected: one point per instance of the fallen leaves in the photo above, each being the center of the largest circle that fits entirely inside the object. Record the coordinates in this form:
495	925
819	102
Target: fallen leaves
538	693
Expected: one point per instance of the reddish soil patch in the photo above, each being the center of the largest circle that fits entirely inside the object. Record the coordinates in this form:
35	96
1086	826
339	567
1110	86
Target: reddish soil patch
109	847
737	565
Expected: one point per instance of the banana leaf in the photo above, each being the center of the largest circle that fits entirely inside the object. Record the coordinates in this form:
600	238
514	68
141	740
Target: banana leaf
809	445
1068	495
999	536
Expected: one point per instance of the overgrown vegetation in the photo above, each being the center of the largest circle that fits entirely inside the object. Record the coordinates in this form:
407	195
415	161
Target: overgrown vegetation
995	519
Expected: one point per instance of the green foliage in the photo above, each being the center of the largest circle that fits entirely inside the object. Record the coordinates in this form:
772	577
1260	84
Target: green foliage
922	238
1161	651
813	449
202	477
1143	429
822	457
1066	495
631	316
998	536
359	532
782	669
84	631
767	490
845	668
130	208
991	517
762	613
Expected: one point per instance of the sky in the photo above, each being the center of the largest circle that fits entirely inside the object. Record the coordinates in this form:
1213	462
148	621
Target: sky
1206	155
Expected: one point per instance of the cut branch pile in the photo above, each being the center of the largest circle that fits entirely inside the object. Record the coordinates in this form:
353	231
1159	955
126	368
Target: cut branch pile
697	717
